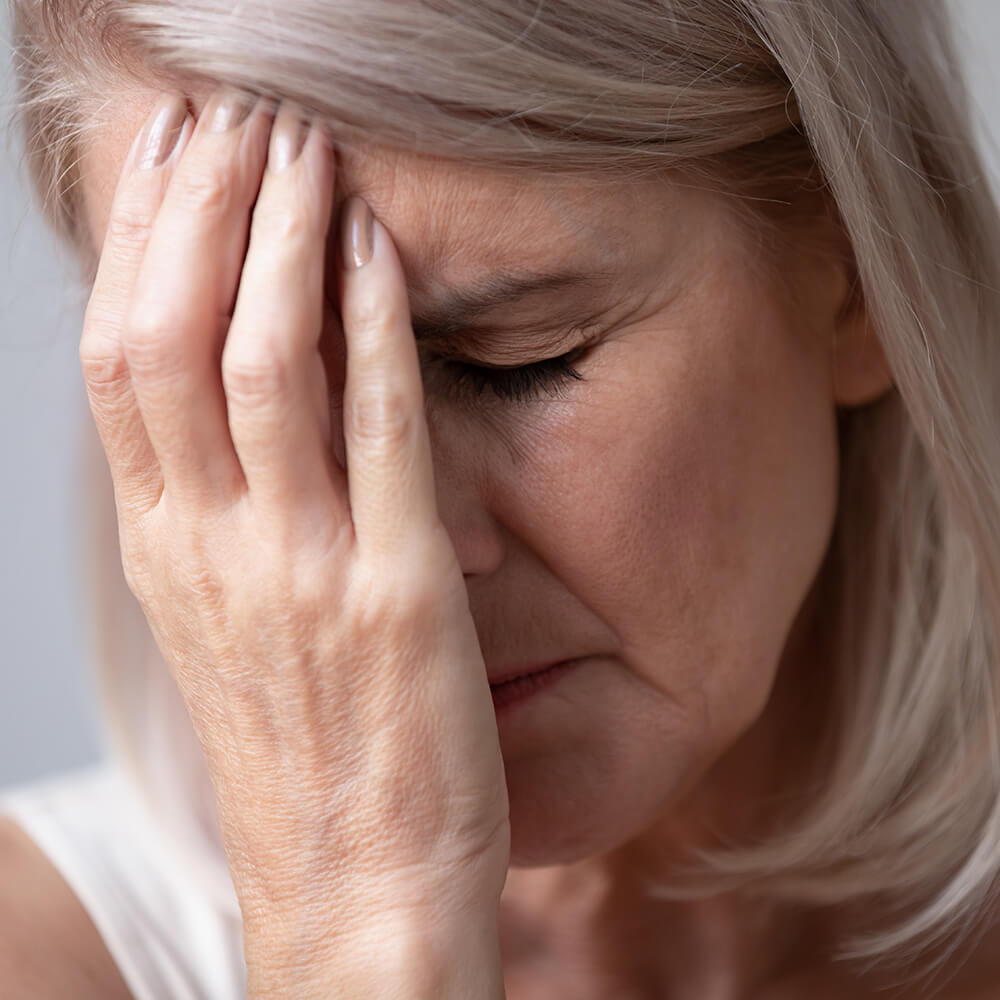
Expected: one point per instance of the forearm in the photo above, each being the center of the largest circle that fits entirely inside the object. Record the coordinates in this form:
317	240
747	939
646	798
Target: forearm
396	961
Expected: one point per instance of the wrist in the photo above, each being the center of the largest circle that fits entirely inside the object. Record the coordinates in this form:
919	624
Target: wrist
409	957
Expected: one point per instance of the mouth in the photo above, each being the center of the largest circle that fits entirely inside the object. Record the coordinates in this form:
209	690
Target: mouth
520	685
507	675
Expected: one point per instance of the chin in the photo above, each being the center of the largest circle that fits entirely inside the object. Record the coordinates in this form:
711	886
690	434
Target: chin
560	822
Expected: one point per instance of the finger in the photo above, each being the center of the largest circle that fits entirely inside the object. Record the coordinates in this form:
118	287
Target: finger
145	174
184	295
272	371
389	471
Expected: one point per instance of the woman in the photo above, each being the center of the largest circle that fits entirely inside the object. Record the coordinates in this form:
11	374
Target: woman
645	347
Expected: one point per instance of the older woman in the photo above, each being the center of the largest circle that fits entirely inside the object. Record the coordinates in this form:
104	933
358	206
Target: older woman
554	456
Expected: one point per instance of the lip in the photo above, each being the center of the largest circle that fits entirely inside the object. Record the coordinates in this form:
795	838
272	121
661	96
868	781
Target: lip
507	674
521	688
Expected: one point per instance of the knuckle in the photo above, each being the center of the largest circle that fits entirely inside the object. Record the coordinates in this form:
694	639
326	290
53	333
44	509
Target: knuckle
129	227
136	579
431	556
370	312
383	416
397	606
419	602
283	224
104	368
133	577
205	189
377	604
135	564
263	372
151	335
423	571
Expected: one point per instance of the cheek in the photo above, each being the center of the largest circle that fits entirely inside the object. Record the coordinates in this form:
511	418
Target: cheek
687	501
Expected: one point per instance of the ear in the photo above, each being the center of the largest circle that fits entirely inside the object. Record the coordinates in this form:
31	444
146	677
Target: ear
860	371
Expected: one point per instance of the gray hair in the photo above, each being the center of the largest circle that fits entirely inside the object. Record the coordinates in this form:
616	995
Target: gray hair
762	98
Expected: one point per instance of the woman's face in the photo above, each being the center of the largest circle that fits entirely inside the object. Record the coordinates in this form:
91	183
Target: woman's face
663	517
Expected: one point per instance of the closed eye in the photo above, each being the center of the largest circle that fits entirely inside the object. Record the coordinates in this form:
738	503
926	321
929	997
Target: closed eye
518	384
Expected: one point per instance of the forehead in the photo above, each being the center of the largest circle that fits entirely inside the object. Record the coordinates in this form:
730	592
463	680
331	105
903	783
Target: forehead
452	221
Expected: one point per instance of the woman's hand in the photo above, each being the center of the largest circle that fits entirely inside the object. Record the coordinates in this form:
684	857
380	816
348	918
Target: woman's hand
315	618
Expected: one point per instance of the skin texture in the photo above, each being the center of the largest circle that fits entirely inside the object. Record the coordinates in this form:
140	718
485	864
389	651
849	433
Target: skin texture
313	615
666	519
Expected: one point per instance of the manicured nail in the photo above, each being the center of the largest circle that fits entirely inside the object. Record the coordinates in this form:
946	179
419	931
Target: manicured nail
227	109
163	129
358	233
288	136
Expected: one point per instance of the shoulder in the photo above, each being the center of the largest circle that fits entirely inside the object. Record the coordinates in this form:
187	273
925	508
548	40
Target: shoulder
49	947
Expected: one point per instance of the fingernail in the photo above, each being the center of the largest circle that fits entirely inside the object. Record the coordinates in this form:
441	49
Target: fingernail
227	109
162	130
288	136
357	234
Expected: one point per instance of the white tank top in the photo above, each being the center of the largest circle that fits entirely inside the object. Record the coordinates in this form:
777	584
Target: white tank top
168	938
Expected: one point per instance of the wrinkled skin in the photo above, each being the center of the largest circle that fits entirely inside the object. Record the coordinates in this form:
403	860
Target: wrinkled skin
665	519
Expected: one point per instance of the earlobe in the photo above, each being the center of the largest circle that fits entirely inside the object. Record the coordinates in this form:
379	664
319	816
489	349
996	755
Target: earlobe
860	370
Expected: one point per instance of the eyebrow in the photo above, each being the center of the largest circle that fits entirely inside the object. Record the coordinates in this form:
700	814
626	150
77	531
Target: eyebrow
459	309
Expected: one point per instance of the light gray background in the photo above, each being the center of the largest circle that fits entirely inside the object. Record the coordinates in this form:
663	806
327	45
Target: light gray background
47	720
47	717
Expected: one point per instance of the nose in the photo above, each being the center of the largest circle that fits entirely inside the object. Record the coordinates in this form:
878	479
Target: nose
461	481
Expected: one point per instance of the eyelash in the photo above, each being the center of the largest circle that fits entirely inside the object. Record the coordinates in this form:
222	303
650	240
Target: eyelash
516	385
520	383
